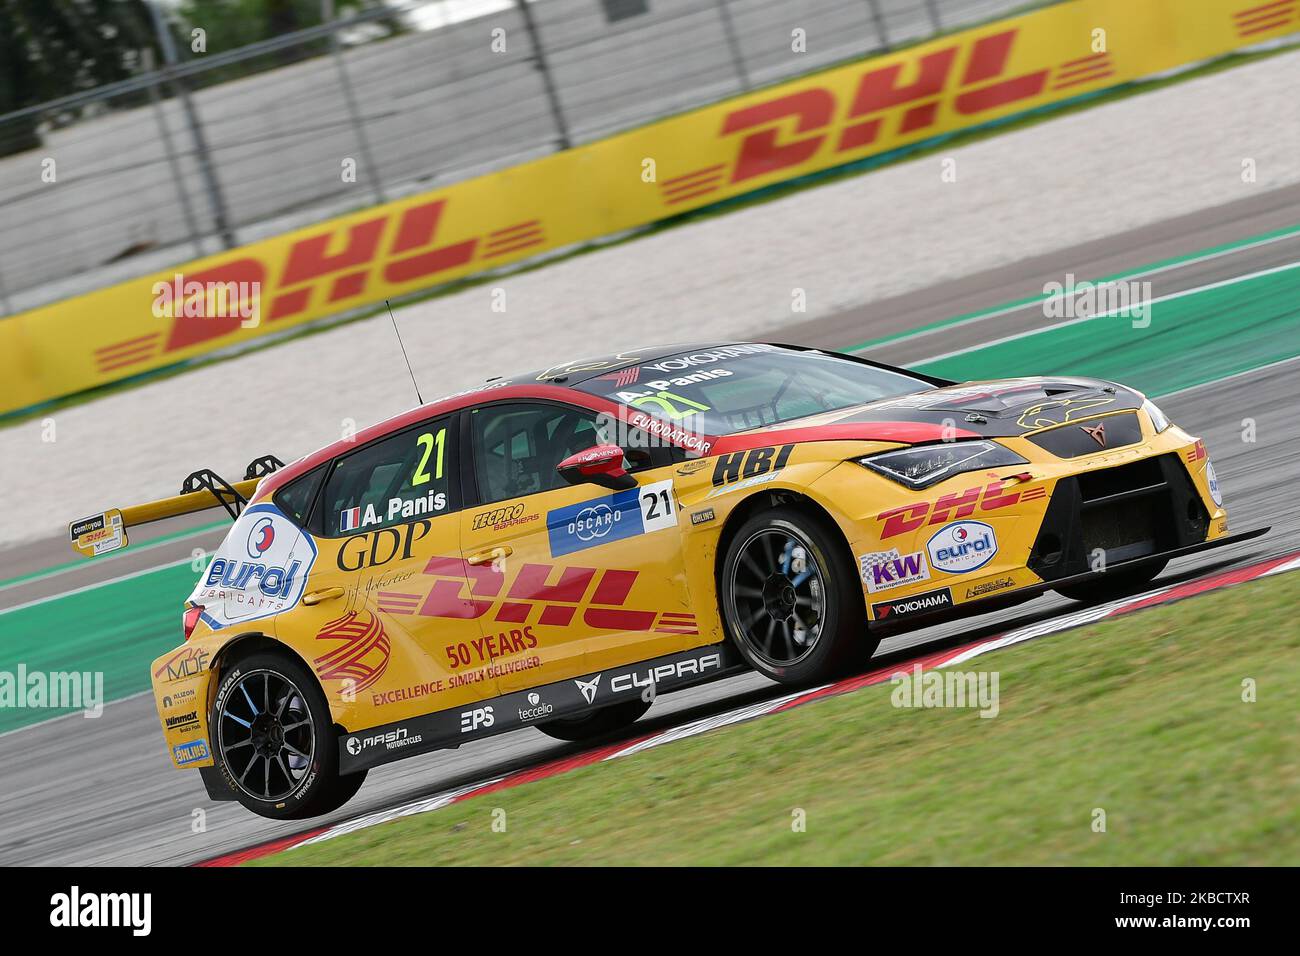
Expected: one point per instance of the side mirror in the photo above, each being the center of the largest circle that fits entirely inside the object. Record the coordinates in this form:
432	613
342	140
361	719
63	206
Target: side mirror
601	465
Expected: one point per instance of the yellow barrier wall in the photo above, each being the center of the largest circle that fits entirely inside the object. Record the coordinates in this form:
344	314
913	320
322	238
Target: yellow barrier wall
701	157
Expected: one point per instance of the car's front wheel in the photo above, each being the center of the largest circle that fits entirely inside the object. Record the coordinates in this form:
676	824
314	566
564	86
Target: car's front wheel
274	741
791	598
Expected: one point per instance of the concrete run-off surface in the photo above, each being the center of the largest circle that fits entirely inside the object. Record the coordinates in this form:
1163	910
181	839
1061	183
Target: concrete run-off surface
1052	186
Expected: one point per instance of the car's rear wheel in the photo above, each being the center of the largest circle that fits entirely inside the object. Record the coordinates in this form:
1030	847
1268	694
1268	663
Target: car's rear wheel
597	723
1113	586
274	741
791	600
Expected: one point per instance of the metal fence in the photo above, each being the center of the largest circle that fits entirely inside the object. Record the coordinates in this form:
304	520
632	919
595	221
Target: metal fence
205	151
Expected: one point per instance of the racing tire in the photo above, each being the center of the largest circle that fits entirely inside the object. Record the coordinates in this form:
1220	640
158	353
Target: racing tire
1111	587
791	598
597	723
274	741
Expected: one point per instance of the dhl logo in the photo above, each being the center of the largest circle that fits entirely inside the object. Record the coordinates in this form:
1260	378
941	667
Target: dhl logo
469	592
959	504
1265	18
328	268
969	76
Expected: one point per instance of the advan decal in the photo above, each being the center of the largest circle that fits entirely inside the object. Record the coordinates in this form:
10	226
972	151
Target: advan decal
259	570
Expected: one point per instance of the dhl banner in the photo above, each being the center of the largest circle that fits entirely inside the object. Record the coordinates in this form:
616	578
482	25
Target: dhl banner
824	120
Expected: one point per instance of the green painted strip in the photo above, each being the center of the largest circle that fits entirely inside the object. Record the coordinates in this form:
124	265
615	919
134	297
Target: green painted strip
1191	340
117	629
1161	266
129	549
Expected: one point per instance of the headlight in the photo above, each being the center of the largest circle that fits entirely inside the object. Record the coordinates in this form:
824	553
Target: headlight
922	467
1158	419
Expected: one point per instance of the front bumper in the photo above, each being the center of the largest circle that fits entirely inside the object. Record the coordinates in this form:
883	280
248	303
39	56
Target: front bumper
1005	535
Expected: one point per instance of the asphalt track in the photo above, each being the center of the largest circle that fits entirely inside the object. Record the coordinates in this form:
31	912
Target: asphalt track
79	791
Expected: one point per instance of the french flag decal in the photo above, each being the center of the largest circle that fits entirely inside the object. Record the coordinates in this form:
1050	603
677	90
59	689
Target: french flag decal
349	518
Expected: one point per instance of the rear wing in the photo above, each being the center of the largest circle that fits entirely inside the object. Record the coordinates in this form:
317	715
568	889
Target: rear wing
105	532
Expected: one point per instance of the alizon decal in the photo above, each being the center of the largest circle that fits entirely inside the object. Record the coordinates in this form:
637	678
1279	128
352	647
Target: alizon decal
566	698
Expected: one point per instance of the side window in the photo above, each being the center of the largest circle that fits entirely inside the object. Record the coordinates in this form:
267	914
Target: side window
295	498
517	446
401	478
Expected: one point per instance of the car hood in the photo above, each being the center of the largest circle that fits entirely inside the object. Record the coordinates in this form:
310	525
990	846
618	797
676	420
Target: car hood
991	409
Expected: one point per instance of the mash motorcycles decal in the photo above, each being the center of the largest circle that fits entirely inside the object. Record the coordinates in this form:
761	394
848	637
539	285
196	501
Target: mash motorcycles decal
624	514
259	570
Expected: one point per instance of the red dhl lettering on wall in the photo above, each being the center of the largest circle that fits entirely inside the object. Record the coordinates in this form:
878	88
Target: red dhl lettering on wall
954	506
557	594
970	77
323	270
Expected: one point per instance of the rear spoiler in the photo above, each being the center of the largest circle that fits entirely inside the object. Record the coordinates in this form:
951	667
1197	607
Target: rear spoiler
105	532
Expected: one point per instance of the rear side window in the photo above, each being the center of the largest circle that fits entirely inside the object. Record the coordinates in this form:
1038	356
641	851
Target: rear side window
295	498
405	477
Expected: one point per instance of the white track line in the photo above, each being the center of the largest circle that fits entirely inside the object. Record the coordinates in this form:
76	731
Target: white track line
97	584
1007	310
1027	333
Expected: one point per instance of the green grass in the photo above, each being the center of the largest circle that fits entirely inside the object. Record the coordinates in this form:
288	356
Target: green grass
1141	716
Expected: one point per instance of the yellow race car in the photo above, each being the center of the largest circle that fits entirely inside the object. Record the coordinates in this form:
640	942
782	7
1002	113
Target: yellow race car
557	548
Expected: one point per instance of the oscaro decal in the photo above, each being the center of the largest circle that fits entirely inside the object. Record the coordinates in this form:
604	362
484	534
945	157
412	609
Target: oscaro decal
624	514
962	547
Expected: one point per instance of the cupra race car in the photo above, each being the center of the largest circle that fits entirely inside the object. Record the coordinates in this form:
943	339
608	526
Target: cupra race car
557	548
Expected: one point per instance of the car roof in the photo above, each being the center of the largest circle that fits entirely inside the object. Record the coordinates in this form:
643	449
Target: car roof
555	382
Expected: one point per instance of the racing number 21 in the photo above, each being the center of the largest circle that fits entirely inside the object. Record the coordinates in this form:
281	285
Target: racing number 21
428	441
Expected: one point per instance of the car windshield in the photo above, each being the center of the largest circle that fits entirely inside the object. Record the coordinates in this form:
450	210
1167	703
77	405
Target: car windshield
734	388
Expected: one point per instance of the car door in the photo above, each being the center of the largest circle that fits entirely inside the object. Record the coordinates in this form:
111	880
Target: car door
579	578
390	511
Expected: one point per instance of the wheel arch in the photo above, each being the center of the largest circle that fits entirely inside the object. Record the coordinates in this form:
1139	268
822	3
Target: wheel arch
766	500
251	642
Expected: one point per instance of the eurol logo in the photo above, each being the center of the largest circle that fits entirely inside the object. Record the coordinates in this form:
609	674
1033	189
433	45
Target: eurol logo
260	568
962	546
